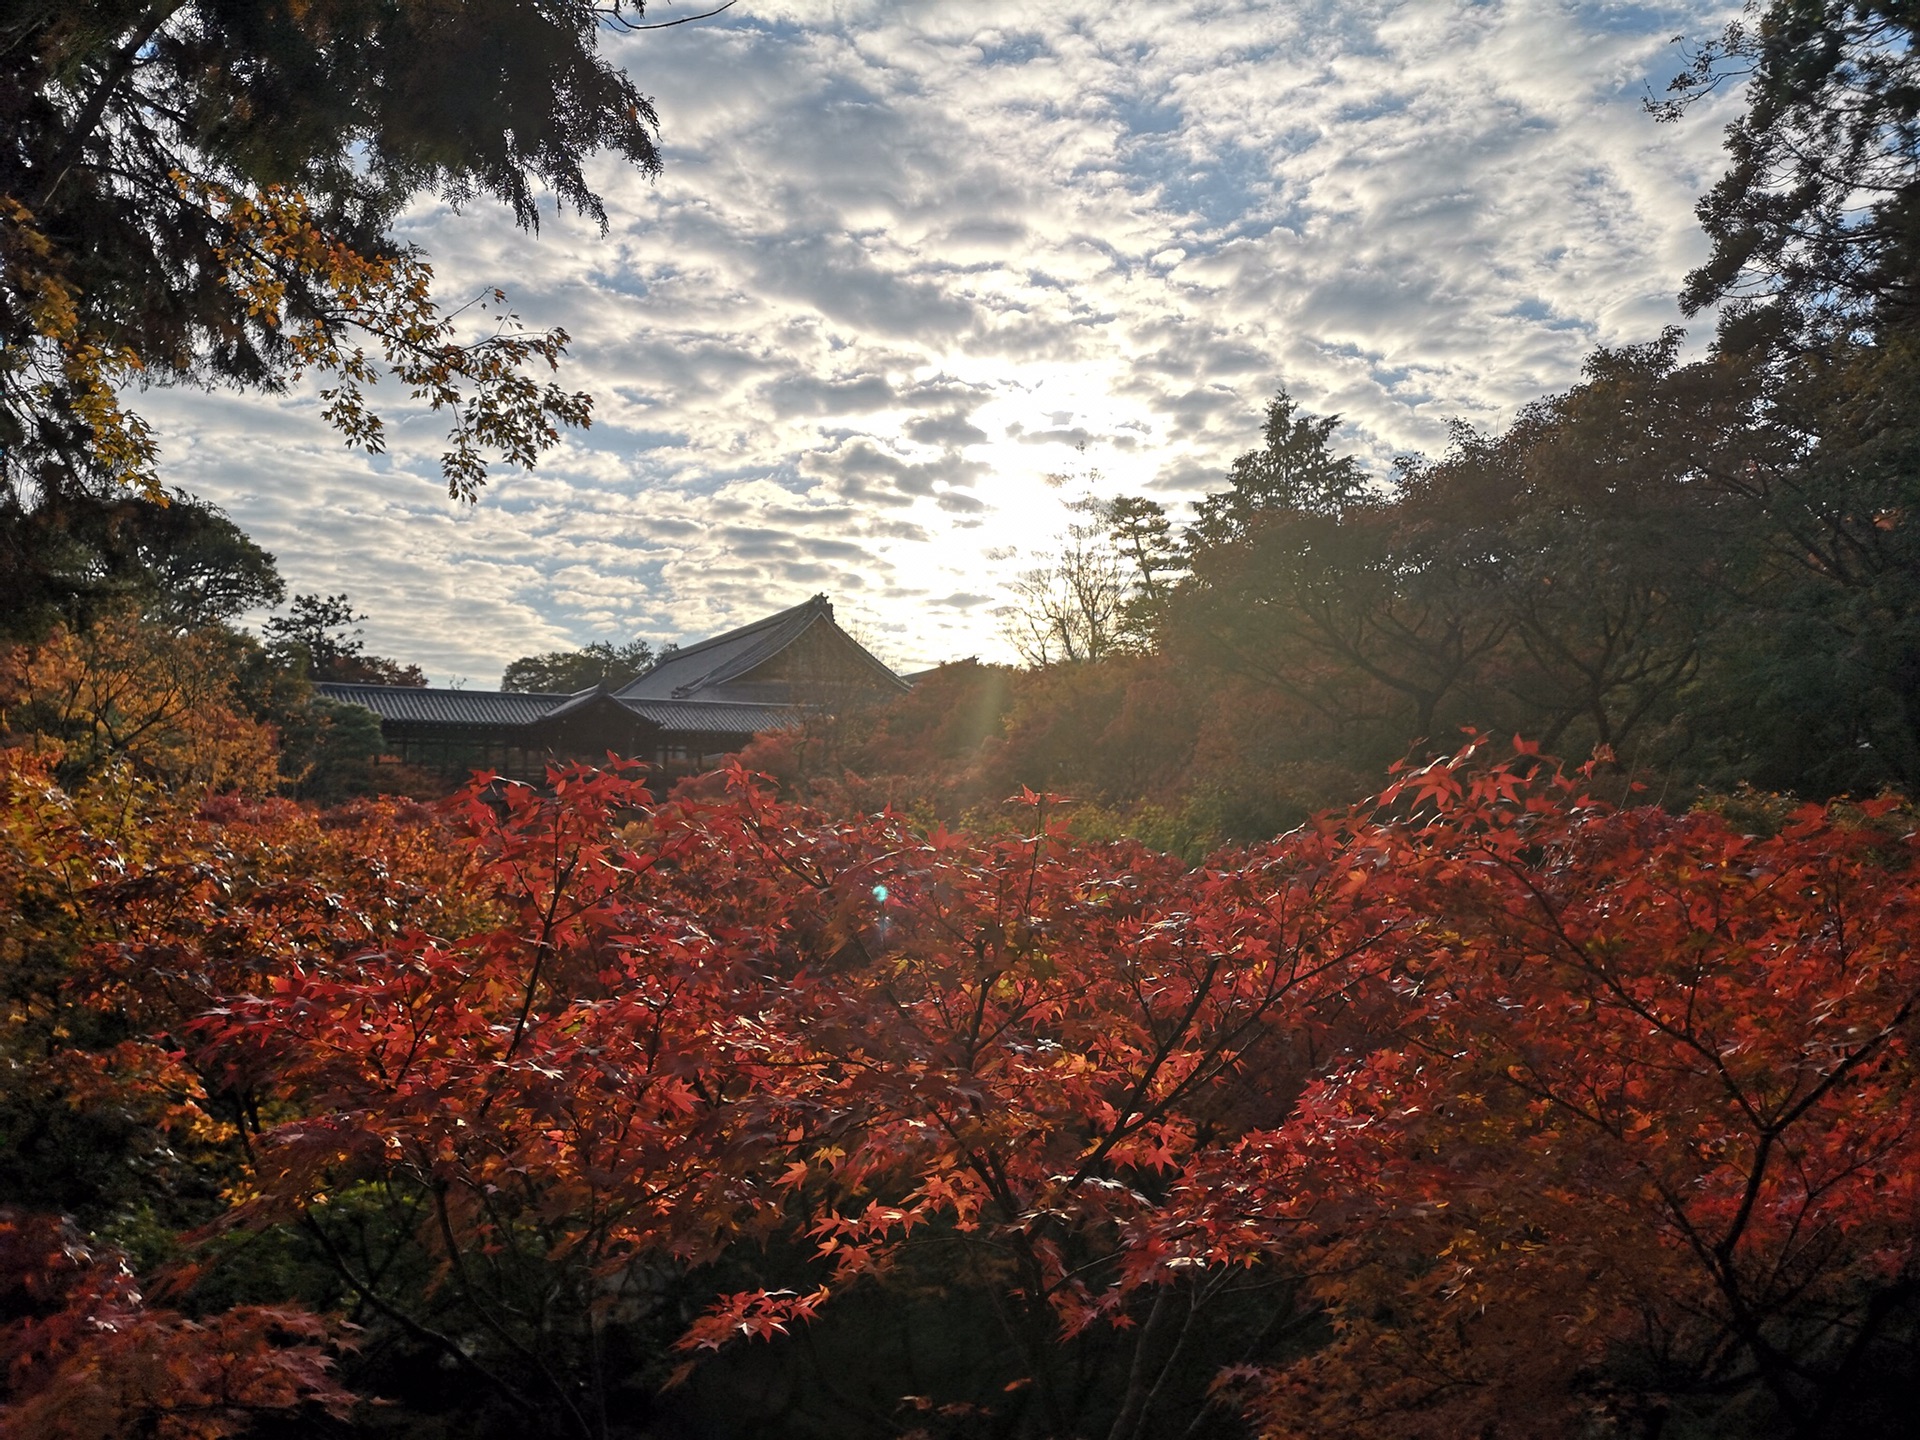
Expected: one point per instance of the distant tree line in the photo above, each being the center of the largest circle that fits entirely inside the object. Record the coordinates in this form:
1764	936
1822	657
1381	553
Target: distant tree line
1706	571
129	652
562	672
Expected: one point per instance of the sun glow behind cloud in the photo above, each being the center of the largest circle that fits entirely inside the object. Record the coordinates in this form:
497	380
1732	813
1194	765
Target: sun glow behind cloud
905	259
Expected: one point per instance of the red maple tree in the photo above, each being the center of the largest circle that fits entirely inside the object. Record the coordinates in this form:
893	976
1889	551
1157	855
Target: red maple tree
1491	1106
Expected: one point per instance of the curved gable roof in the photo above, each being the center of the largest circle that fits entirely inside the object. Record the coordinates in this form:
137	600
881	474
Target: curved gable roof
688	673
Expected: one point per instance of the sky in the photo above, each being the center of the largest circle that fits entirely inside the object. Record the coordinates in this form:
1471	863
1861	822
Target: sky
917	276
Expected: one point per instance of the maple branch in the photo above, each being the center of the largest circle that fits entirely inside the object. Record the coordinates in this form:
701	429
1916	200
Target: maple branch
1584	962
457	1258
1881	1308
1132	1414
541	948
1771	1133
414	1327
1213	1059
618	21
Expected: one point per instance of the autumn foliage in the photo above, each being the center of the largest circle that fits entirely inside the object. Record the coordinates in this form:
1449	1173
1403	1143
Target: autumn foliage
84	1354
1487	1109
161	699
1645	1136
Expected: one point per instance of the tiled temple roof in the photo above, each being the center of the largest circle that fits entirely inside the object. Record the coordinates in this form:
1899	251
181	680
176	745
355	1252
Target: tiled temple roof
704	689
707	670
493	710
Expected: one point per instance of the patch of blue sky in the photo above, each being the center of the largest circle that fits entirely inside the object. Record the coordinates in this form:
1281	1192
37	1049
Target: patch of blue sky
631	396
709	479
510	499
611	435
1013	48
1230	194
741	20
1147	117
1224	188
620	278
1538	312
649	618
822	90
1622	17
785	473
1399	381
1381	105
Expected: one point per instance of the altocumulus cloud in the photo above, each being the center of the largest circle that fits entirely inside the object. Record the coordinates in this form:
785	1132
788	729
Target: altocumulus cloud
908	260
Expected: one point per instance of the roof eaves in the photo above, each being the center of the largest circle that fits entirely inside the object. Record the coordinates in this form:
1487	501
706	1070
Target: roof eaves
579	700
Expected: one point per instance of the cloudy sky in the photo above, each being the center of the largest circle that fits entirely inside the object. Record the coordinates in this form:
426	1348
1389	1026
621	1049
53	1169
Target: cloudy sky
909	260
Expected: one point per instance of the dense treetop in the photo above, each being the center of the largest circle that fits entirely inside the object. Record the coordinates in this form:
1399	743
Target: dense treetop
561	672
1813	224
563	1096
202	189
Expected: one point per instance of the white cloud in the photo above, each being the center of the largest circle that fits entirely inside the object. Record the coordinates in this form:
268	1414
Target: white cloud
904	257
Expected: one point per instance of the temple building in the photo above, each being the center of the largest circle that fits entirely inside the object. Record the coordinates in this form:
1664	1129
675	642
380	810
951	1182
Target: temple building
695	705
